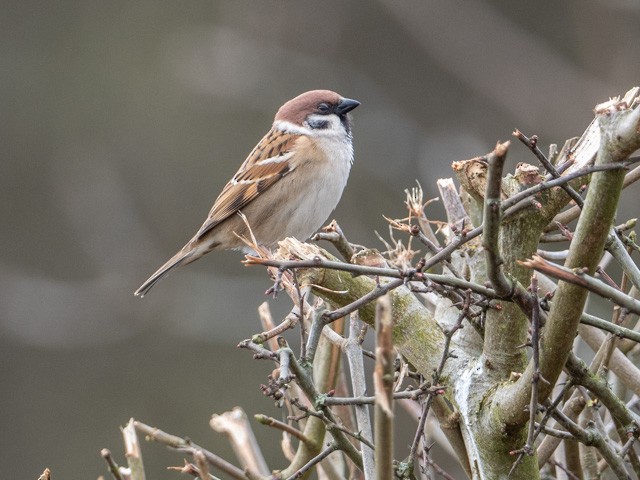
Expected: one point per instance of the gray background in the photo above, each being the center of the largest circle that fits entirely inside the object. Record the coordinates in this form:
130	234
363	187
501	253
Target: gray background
120	123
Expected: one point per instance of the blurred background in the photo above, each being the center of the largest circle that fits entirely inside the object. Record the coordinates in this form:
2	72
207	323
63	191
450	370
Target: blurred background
121	121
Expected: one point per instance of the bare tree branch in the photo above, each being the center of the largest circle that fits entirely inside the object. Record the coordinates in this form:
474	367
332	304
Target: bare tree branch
383	383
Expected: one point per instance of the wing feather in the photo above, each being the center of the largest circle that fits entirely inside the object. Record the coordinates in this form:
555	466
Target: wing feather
265	165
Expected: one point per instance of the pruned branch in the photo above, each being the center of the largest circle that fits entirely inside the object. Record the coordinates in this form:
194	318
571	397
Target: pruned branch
383	382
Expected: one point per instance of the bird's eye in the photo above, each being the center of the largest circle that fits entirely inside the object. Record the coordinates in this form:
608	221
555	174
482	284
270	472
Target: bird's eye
324	108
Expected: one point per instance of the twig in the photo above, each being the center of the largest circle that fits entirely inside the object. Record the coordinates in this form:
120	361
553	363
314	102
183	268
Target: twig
259	351
529	447
318	323
404	275
289	322
565	470
194	470
417	232
132	451
404	395
201	463
235	425
574	212
560	256
532	143
46	475
266	320
571	408
329	420
114	469
502	285
332	447
285	361
446	354
606	325
554	432
302	294
626	371
581	278
591	437
334	234
596	384
378	292
439	470
353	352
383	382
182	445
277	424
424	412
617	249
626	448
553	238
562	181
305	380
457	216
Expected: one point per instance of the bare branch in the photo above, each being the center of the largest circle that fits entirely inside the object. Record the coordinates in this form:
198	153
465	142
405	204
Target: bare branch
46	475
502	285
574	212
182	445
201	462
532	143
383	382
272	422
332	447
132	451
235	425
353	353
334	234
591	437
529	447
114	469
581	278
606	325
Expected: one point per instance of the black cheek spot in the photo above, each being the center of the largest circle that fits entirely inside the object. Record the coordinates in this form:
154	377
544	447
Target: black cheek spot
318	124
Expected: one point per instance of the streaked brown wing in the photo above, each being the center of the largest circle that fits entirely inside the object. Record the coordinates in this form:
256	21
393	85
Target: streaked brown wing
264	166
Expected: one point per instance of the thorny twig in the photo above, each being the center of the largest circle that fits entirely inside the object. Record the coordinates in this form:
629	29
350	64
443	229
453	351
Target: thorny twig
590	436
532	143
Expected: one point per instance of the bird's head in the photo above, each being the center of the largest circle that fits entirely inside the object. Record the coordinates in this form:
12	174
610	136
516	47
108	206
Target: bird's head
321	112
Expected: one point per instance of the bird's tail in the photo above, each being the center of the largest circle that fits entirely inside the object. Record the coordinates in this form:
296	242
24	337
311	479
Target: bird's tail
181	258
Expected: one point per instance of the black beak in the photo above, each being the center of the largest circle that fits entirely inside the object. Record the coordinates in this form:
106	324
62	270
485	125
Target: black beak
346	105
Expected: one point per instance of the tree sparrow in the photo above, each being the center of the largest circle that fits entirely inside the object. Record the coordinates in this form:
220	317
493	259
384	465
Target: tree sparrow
288	185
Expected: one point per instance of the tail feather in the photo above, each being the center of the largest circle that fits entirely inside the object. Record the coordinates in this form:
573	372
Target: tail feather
181	258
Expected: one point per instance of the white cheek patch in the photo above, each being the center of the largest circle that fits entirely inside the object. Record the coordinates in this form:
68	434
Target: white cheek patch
289	127
334	129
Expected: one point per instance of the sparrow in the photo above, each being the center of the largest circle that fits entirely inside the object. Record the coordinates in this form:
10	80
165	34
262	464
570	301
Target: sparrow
288	185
